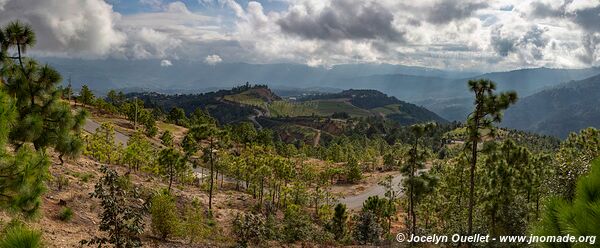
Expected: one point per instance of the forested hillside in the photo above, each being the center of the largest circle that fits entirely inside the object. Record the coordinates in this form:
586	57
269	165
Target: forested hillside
559	111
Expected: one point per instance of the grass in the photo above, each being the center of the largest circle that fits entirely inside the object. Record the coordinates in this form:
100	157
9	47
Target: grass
316	107
246	99
388	109
21	236
65	214
168	127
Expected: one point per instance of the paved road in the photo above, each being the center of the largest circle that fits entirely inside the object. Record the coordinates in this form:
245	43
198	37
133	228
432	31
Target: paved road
91	126
356	201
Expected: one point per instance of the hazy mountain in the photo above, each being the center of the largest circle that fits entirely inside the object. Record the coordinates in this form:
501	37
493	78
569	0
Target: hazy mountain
567	108
195	75
456	101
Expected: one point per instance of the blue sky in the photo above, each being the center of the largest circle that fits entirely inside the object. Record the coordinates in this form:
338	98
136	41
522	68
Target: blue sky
445	34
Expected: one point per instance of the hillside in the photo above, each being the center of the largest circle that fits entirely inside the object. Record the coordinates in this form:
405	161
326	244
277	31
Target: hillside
246	101
372	103
558	111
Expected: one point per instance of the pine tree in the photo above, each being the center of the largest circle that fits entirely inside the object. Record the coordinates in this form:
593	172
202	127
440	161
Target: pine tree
86	96
167	139
102	145
139	152
171	163
43	118
20	36
31	114
22	174
578	217
416	161
214	135
488	109
338	222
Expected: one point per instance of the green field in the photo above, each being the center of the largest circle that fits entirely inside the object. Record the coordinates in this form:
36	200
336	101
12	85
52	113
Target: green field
387	110
316	107
247	99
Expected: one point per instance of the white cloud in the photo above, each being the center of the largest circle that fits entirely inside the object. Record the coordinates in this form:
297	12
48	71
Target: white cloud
177	7
165	63
576	5
69	27
213	59
2	3
149	43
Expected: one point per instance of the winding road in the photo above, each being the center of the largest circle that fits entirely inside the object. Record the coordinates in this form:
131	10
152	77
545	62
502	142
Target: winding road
356	201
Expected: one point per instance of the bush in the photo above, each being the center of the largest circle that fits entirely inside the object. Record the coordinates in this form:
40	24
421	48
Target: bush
65	214
249	229
353	171
19	236
367	230
62	182
163	212
122	216
194	228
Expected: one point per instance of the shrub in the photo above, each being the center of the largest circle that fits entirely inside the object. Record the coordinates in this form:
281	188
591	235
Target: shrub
367	229
163	212
249	229
65	214
194	228
20	236
353	171
122	215
61	182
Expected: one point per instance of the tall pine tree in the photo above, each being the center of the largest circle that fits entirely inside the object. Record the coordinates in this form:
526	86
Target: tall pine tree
488	109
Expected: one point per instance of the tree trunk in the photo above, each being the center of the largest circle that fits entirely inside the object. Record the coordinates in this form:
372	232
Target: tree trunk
474	141
210	191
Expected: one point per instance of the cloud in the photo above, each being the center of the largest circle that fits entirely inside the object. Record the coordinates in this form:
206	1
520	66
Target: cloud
2	3
342	20
446	11
528	45
147	43
213	59
155	4
178	7
69	27
165	63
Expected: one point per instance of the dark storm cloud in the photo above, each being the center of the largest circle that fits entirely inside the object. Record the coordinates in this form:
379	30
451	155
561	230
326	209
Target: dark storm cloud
503	46
449	10
351	20
589	19
543	10
533	40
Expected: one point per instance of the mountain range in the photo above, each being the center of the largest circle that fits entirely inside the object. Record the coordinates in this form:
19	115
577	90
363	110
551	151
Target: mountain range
444	92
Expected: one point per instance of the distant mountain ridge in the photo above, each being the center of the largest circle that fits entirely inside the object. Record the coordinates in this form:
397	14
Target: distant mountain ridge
566	108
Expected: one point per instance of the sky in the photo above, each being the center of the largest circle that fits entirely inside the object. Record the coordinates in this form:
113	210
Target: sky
445	34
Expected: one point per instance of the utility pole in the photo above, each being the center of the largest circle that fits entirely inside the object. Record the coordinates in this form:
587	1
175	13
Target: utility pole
136	112
70	89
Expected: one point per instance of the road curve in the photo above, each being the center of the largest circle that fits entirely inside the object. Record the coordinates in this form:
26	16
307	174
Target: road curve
356	201
90	126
